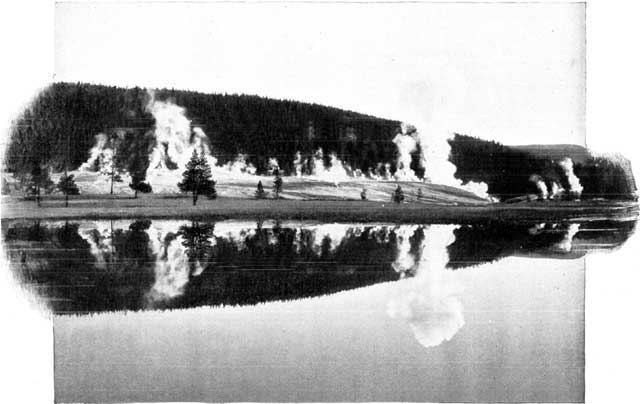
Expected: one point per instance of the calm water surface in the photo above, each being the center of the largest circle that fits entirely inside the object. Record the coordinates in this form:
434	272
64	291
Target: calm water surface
299	311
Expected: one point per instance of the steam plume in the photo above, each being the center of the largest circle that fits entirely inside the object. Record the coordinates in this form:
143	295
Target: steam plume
574	182
272	166
542	187
406	144
434	105
298	164
99	154
556	190
240	165
176	139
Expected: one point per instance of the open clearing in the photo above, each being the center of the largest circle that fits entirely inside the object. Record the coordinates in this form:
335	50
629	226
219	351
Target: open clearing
164	206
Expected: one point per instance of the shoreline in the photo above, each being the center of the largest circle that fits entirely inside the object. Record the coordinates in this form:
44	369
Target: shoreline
178	207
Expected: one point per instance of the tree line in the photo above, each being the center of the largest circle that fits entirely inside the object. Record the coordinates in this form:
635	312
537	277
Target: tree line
507	169
361	259
58	127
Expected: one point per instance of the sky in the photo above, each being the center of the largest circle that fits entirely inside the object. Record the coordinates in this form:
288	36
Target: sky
509	72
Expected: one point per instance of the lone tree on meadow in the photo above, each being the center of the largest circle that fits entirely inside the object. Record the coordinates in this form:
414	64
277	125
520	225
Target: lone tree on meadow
39	180
363	194
197	178
6	189
260	193
67	185
420	194
277	185
138	184
398	195
112	163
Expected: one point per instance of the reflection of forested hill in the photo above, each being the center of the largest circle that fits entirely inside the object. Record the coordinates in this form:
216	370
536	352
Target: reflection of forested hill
264	271
140	265
91	269
479	244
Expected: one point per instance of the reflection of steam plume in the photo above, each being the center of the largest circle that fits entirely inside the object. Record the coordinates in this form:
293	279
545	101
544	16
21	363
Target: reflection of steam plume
333	233
99	238
405	261
172	269
567	241
574	182
429	303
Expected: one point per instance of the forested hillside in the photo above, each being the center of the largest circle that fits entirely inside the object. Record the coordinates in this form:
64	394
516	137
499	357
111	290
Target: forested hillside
64	119
58	129
507	169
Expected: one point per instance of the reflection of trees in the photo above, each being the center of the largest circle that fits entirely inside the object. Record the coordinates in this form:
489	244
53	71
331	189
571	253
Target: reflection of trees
479	244
63	269
197	241
99	266
283	263
132	246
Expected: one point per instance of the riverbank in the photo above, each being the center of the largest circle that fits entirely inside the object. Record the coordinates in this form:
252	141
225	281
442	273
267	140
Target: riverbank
180	207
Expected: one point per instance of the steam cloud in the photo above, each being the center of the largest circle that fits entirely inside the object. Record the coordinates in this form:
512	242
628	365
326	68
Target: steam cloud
334	172
176	139
406	144
99	155
542	187
574	181
430	305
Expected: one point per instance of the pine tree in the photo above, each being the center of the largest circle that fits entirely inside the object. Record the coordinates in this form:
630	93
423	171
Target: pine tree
67	185
39	181
138	184
112	165
277	185
260	193
6	189
398	195
197	178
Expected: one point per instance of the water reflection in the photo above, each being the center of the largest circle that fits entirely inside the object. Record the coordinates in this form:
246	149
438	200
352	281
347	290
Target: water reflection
94	266
429	301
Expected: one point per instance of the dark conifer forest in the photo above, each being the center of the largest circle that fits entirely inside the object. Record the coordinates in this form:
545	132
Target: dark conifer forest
58	128
64	119
507	169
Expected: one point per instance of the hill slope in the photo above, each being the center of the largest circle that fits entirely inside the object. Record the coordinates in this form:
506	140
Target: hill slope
511	171
65	118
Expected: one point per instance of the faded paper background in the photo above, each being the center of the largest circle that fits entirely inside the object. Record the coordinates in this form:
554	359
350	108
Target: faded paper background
33	55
